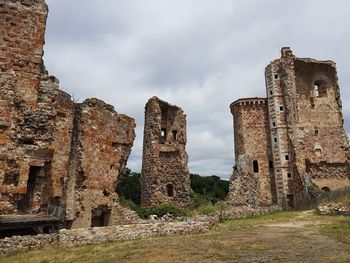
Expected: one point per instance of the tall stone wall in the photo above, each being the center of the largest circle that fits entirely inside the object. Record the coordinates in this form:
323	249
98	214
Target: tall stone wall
165	177
103	144
53	151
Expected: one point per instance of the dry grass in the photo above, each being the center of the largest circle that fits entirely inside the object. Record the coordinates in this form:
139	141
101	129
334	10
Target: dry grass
259	239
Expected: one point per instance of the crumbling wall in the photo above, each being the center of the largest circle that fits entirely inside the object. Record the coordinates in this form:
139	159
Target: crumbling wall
165	177
315	121
53	151
23	142
252	180
103	144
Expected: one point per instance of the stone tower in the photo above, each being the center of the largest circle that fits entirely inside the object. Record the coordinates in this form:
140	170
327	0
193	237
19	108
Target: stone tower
304	137
165	177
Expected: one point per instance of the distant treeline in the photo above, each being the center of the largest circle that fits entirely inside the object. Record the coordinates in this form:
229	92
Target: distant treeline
210	189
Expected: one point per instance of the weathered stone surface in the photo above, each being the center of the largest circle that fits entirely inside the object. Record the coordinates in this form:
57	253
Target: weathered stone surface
76	237
165	226
52	150
334	209
299	130
244	185
165	177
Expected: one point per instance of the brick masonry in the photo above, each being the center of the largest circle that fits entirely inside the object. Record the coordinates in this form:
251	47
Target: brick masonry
53	151
295	136
165	177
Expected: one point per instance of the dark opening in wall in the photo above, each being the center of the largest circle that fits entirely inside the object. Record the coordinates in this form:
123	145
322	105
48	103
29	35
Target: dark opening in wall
255	166
290	198
100	216
281	108
274	124
275	139
326	189
270	164
276	76
11	178
286	157
316	131
271	92
26	202
163	134
320	88
289	175
174	135
170	190
28	141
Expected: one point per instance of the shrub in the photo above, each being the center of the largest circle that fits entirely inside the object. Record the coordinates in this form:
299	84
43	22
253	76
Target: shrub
209	209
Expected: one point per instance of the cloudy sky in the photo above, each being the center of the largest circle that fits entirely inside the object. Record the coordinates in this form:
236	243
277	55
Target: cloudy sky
198	54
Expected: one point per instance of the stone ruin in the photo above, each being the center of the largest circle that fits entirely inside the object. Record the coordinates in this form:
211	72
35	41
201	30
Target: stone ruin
54	154
64	158
294	139
165	177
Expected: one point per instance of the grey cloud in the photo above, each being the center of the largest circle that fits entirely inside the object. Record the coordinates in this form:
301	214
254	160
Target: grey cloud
198	54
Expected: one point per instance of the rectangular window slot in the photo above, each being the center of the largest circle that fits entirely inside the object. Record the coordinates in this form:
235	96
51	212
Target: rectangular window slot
316	131
281	108
175	136
286	157
255	166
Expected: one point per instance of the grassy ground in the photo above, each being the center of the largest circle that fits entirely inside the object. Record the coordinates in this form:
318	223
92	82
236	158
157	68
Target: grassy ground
281	237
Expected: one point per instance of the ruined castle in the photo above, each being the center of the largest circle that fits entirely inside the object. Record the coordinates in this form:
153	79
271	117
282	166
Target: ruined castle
60	161
294	138
63	159
53	152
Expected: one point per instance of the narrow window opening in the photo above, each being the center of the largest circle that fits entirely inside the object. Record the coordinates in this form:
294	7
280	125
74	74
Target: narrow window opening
170	190
270	164
255	166
281	108
316	90
275	139
28	141
175	136
163	134
290	198
286	157
271	92
276	76
289	175
274	124
316	131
